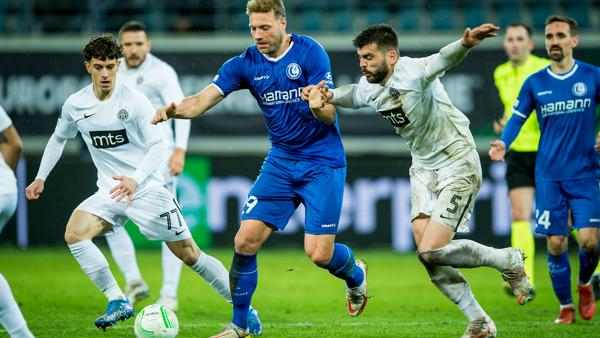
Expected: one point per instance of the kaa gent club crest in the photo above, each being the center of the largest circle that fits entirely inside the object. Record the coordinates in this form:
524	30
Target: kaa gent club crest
123	114
293	71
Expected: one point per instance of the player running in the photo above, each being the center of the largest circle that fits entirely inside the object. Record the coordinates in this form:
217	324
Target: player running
11	146
127	150
446	173
306	163
564	96
520	168
157	80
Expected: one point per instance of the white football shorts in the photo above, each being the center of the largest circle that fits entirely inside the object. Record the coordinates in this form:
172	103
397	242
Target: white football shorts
8	205
156	213
447	194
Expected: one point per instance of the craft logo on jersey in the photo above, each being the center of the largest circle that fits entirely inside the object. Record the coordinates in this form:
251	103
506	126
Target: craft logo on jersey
579	89
104	139
293	71
123	114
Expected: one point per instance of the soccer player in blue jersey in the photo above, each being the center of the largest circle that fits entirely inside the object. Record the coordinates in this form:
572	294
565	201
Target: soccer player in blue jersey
306	163
564	96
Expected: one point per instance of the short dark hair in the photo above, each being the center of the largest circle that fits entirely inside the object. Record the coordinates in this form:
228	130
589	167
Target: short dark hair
132	26
383	35
102	47
520	24
573	27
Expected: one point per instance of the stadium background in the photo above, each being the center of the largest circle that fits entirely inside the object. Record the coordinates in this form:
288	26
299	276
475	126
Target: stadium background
41	64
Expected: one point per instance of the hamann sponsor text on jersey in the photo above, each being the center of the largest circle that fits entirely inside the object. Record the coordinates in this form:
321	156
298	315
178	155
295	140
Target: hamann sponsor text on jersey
276	84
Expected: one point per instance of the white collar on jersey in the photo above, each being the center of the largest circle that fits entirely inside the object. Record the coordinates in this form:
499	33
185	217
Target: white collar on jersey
280	56
564	75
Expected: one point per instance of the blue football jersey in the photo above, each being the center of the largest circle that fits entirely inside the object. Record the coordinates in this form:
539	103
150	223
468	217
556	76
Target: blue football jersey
276	84
565	105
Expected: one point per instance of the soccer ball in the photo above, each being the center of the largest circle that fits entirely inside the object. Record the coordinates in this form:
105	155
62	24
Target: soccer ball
156	321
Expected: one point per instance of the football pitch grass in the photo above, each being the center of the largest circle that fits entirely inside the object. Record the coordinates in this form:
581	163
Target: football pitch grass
294	298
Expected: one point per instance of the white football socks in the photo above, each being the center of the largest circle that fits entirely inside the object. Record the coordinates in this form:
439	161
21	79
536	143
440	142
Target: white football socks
95	266
171	267
464	253
11	317
123	252
214	273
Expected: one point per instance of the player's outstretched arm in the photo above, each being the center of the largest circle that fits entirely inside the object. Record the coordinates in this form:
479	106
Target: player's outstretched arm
497	150
317	101
452	54
191	107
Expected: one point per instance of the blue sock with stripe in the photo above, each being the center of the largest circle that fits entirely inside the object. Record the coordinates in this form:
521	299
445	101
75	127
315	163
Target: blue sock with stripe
560	275
342	265
587	265
243	277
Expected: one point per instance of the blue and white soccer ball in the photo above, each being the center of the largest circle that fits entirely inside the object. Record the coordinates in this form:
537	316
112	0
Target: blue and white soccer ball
156	321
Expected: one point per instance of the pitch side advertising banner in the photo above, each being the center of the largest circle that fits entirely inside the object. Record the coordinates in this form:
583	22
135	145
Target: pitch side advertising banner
212	192
33	87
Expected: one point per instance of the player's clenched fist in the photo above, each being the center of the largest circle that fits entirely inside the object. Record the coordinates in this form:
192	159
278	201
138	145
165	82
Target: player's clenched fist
164	113
33	191
497	150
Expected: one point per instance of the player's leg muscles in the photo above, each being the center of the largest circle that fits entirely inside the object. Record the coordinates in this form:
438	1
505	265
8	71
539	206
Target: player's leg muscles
208	267
438	248
81	228
243	274
337	258
588	253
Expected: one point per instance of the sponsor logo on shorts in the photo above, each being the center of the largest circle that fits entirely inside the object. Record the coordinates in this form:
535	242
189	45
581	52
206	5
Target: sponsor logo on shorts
109	138
177	233
332	225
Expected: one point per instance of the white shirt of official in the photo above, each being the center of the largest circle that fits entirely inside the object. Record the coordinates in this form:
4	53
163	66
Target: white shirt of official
117	132
414	101
8	182
159	82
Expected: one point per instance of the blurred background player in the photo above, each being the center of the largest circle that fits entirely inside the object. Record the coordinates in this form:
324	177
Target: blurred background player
158	81
520	161
564	96
10	151
306	163
445	172
114	121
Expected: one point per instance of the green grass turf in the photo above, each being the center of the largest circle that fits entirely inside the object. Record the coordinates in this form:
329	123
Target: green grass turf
295	299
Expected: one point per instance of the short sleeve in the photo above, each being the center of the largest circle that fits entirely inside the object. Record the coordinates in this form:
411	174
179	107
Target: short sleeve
318	66
230	76
597	85
5	121
66	127
171	90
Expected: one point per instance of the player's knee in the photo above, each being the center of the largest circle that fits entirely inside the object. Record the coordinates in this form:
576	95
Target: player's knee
429	257
319	256
245	245
72	237
590	244
557	244
520	214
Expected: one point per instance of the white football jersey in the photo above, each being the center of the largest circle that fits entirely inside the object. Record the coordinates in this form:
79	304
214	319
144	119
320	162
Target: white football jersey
117	132
159	82
416	104
8	182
